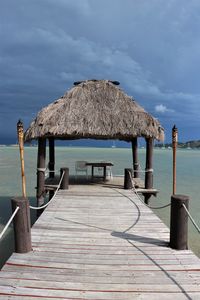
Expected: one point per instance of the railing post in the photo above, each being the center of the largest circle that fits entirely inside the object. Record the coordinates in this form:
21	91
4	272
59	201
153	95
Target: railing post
65	181
179	222
22	225
128	174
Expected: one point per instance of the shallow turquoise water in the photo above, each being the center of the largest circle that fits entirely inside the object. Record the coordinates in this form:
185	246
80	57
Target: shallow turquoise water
188	180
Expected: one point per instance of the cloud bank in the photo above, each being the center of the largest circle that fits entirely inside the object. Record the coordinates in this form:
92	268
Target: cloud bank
151	47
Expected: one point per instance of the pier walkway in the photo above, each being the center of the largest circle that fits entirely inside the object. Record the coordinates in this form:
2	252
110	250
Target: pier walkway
100	243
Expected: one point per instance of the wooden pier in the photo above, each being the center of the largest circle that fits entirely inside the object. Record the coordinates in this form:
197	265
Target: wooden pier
99	242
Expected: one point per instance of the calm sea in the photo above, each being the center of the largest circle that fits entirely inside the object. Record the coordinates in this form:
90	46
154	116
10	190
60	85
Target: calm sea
188	180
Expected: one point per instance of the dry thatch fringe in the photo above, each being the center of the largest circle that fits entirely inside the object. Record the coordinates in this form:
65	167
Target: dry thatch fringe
95	109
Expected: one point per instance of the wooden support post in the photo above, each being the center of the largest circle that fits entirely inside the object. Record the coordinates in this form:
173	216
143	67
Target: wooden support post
65	181
128	173
104	173
149	168
135	158
179	222
41	171
174	146
51	157
22	225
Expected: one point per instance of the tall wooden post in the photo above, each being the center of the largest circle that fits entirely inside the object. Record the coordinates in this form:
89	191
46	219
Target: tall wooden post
51	157
20	133
174	146
149	167
41	170
135	157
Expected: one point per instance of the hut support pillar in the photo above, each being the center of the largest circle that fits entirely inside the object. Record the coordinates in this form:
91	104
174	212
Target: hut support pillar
51	164
41	171
149	168
51	157
135	158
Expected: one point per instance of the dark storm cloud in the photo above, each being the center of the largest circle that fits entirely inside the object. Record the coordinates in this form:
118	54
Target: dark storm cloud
151	47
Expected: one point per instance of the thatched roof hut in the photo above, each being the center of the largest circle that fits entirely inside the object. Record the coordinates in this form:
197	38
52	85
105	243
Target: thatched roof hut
96	109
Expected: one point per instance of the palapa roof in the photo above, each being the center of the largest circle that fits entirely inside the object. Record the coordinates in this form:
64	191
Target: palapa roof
96	109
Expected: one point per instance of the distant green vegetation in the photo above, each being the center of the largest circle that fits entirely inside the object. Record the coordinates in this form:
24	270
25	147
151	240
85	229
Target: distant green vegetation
186	145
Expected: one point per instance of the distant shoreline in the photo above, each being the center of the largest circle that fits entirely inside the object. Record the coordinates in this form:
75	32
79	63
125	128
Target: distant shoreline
156	147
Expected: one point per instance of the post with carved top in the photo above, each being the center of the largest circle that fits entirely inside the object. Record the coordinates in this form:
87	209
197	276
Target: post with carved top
20	134
149	168
174	146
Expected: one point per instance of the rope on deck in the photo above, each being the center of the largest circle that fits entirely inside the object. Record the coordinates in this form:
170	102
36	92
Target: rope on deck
191	218
9	221
45	205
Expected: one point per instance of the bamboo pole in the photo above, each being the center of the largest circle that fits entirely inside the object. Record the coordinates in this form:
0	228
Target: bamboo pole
174	145
20	133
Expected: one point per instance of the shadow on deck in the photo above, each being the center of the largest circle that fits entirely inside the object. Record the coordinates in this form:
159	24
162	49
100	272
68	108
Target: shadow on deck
114	182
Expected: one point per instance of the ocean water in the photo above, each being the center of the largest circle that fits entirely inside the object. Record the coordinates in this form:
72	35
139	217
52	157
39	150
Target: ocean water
188	181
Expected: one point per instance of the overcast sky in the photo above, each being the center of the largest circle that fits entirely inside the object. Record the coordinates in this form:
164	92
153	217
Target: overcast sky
152	47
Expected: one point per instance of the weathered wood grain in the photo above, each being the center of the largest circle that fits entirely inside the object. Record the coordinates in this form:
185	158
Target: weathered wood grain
100	243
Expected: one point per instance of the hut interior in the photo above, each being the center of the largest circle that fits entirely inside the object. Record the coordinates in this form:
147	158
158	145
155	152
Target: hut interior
95	109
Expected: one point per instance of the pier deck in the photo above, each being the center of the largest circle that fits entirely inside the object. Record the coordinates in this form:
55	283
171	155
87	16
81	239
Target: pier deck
100	243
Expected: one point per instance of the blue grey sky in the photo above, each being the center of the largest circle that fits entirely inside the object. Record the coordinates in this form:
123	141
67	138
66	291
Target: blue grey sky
151	46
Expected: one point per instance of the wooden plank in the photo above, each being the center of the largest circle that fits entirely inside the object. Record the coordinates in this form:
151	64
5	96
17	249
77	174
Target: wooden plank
147	191
93	287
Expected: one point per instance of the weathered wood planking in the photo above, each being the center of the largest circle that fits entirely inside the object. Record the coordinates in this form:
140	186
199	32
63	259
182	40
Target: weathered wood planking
100	243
